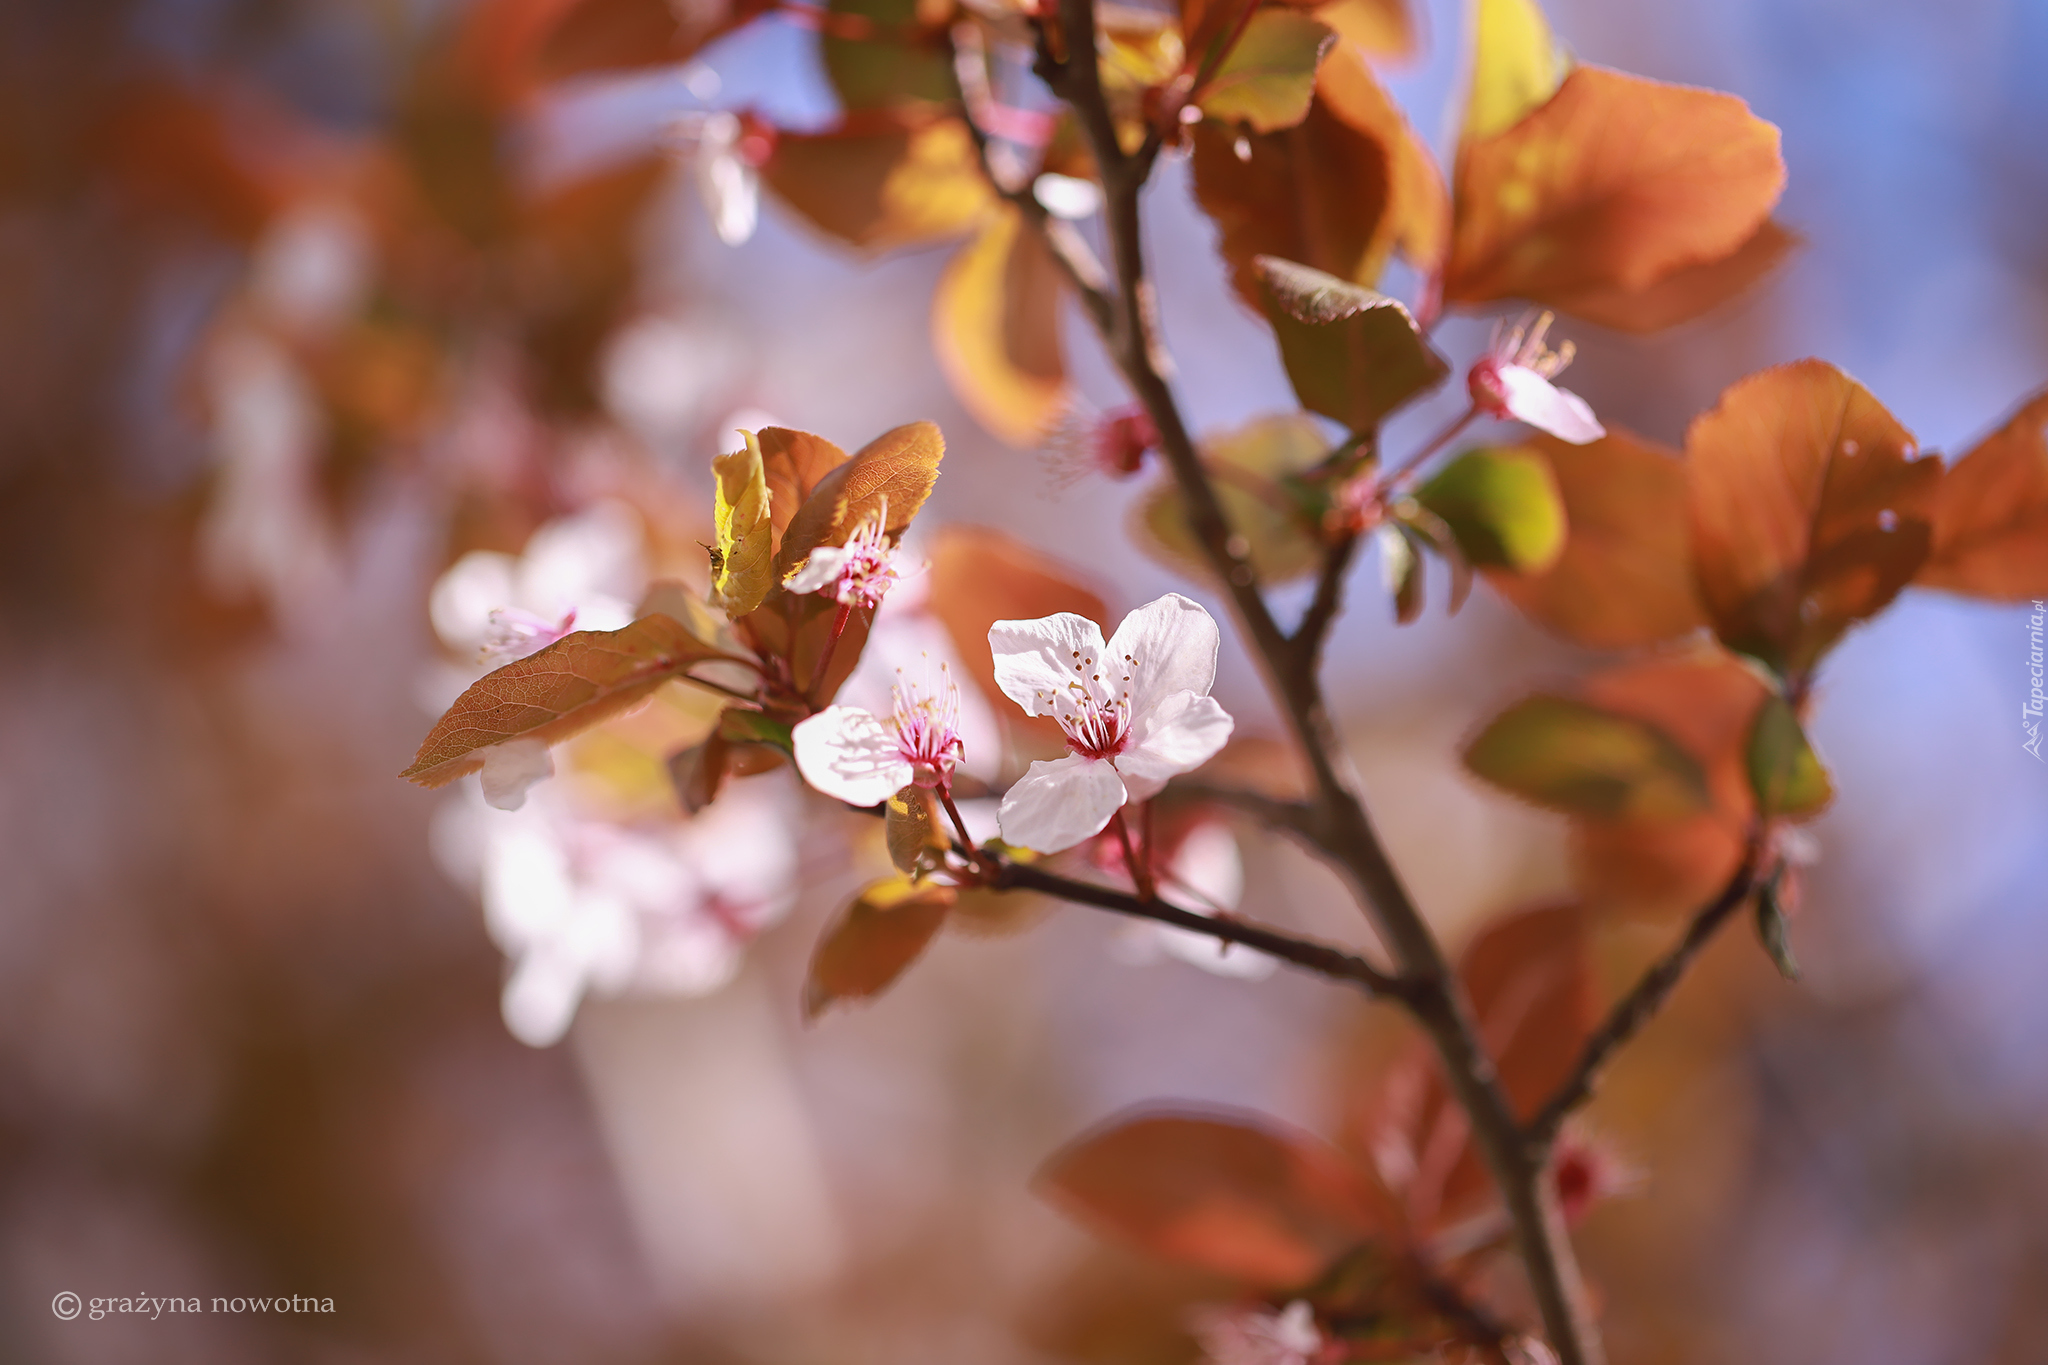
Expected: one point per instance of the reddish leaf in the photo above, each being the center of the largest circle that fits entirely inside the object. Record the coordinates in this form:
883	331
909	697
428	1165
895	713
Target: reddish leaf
794	464
883	181
1528	979
1809	511
1625	577
568	687
1686	292
995	328
883	931
897	468
1991	514
1339	192
1240	1197
1615	183
1708	703
620	35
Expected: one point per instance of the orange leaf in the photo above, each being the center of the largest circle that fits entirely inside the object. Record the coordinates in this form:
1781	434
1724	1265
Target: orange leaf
794	463
884	930
1809	511
1991	514
619	35
1625	577
1615	183
898	468
1340	191
882	180
996	329
1686	292
1707	701
1239	1196
1378	28
574	683
1530	981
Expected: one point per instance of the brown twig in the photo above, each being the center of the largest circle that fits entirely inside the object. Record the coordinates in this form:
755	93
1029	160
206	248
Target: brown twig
1642	1002
1313	629
1320	958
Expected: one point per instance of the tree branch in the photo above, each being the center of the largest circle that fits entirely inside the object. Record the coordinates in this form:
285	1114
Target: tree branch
1641	1004
1289	817
1314	627
1315	957
1339	825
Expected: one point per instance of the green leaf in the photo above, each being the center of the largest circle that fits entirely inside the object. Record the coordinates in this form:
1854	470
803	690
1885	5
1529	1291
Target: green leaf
1352	354
1401	571
877	54
1252	469
1269	77
1784	771
1574	757
741	726
1503	506
743	570
883	931
554	693
1772	932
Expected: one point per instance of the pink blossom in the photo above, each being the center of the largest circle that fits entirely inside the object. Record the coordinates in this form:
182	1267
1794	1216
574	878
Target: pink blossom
857	573
1259	1336
1512	382
854	755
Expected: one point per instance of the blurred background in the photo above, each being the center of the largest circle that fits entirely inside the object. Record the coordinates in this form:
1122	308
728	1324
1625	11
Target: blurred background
303	300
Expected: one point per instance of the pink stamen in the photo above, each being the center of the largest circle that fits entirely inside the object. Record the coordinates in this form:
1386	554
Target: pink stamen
928	728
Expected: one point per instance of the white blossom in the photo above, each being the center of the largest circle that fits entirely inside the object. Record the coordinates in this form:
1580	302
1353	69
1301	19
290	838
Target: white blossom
1259	1336
863	760
1136	712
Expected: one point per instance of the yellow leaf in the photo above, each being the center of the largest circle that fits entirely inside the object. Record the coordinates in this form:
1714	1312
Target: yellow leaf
885	180
1517	65
746	538
995	328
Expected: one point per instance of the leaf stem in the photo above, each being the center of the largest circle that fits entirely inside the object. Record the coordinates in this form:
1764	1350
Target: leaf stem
960	826
825	655
1399	475
1141	876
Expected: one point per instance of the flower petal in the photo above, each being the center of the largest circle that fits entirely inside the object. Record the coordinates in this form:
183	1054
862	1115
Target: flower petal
1177	736
1036	660
849	753
541	998
821	570
1164	647
513	766
1533	399
1058	804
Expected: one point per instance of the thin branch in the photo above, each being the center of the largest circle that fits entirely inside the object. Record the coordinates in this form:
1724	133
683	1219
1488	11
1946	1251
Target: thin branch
1314	628
1069	250
1641	1004
1339	824
1304	953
